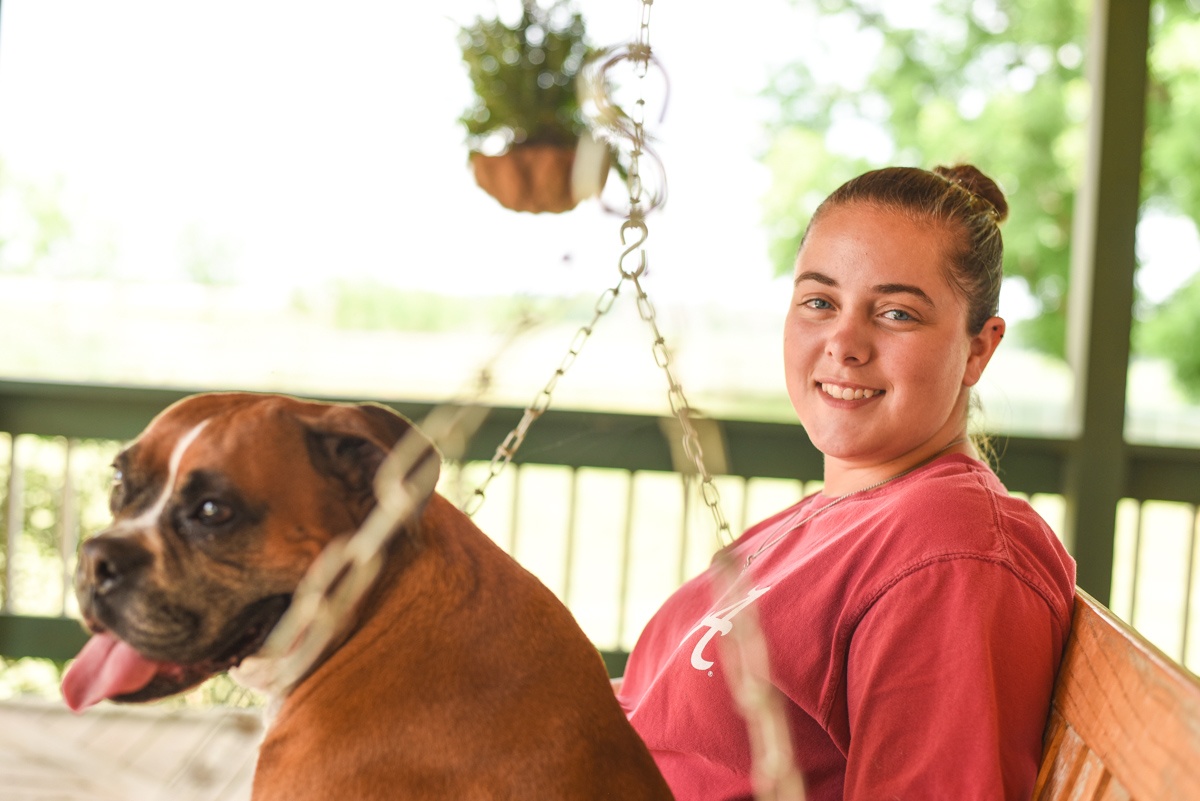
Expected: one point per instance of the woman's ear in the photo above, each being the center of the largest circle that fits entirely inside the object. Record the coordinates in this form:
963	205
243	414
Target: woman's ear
983	345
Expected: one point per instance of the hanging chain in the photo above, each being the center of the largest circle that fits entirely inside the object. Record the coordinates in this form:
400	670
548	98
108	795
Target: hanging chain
640	53
683	413
632	127
512	443
775	776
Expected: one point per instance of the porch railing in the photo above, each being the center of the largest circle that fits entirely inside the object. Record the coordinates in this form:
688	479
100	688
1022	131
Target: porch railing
593	505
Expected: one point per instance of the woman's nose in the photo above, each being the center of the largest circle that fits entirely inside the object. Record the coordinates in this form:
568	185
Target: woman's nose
849	341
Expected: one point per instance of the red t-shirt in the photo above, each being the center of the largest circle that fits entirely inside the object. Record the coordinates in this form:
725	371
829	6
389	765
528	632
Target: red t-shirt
914	632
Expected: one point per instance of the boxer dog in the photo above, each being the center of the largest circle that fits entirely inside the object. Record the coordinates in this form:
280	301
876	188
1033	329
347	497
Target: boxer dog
460	675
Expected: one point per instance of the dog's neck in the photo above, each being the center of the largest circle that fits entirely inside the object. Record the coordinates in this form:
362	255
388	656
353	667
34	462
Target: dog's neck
257	672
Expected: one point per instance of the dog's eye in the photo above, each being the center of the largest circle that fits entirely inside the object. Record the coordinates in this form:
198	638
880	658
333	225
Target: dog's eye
116	493
213	513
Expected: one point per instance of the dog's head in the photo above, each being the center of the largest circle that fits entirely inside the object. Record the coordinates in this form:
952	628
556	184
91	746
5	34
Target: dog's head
219	508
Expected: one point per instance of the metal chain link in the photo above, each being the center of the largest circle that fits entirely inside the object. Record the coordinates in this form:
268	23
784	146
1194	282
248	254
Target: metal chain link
709	494
775	776
541	402
641	53
641	56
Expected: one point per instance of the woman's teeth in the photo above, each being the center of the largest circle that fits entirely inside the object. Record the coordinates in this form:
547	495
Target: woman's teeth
845	393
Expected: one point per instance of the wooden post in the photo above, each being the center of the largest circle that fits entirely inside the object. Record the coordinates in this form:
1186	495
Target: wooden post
1101	289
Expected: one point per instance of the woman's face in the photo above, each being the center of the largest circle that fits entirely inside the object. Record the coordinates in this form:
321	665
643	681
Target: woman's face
876	351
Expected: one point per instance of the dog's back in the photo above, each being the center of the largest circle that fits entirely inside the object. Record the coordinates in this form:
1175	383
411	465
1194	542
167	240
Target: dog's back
466	678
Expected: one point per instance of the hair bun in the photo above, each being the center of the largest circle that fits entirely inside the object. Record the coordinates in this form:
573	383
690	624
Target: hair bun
972	179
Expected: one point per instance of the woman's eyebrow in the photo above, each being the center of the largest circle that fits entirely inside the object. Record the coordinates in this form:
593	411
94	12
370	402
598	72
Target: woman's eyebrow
904	289
820	278
881	289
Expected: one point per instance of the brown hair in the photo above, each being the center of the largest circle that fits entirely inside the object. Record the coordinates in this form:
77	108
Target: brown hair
962	199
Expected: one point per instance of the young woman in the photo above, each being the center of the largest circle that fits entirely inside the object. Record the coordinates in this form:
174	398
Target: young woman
913	611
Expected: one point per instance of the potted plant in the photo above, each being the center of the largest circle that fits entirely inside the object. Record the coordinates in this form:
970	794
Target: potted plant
529	144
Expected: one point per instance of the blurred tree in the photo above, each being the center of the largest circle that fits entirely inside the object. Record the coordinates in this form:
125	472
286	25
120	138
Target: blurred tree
1171	183
33	227
1172	333
206	259
1001	84
40	236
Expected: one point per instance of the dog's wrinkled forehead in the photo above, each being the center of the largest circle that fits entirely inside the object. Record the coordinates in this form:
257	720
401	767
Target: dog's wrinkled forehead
148	469
254	435
174	430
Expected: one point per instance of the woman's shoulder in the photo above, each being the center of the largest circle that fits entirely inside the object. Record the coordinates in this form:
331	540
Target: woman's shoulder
956	509
958	499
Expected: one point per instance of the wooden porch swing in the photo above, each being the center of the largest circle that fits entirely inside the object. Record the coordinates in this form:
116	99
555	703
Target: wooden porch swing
1124	720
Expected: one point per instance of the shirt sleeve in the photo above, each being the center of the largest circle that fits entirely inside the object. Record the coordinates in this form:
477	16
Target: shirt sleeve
948	683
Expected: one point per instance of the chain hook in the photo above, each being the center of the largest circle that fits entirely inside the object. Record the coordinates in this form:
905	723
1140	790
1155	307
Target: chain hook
636	222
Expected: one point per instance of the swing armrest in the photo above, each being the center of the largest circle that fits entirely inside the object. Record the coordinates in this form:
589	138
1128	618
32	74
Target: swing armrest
1124	720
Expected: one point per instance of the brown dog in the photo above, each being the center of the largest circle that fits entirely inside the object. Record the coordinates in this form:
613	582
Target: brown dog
461	677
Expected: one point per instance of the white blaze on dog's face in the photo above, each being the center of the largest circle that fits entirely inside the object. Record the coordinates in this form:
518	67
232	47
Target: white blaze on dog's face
219	508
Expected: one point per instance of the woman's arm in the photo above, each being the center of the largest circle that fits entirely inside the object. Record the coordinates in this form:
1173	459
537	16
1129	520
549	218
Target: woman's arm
949	677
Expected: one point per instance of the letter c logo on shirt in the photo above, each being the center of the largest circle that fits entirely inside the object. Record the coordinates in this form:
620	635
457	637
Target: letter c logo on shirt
718	622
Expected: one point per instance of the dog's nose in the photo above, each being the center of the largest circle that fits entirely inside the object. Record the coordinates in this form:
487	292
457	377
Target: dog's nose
107	562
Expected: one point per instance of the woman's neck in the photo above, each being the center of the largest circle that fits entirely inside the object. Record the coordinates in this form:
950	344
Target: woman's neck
844	476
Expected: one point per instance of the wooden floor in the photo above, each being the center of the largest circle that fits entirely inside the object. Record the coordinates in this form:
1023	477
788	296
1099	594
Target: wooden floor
115	753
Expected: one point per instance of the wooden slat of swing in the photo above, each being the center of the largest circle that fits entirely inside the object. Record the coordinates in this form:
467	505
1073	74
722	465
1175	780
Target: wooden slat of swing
1124	721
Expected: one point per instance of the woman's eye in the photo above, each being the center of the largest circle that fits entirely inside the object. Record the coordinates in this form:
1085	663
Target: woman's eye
817	303
899	315
213	513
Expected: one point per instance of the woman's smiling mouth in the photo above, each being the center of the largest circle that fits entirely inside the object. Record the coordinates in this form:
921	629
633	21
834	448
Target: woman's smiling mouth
848	393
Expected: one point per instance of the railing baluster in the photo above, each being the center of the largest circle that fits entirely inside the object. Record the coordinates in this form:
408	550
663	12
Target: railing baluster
68	525
685	526
1137	562
744	517
514	471
15	521
571	533
1189	585
626	566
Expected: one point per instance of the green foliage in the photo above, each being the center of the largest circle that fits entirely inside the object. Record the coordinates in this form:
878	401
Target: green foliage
1173	334
43	472
524	77
205	259
33	225
1171	181
371	306
801	168
374	306
997	84
30	677
40	236
1172	156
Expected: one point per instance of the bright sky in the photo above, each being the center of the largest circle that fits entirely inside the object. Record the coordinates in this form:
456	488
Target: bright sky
307	144
312	144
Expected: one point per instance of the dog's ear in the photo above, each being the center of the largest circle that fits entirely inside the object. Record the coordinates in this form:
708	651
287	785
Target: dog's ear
350	443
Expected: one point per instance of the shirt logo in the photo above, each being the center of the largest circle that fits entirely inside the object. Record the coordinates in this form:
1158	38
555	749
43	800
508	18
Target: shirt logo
718	622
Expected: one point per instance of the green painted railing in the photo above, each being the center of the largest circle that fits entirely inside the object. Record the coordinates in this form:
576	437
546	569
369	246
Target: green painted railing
573	440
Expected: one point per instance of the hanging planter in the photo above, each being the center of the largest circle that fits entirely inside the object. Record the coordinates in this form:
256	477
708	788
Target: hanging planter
543	178
529	146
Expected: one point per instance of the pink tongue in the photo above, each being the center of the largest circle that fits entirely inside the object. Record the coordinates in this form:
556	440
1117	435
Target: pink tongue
106	667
